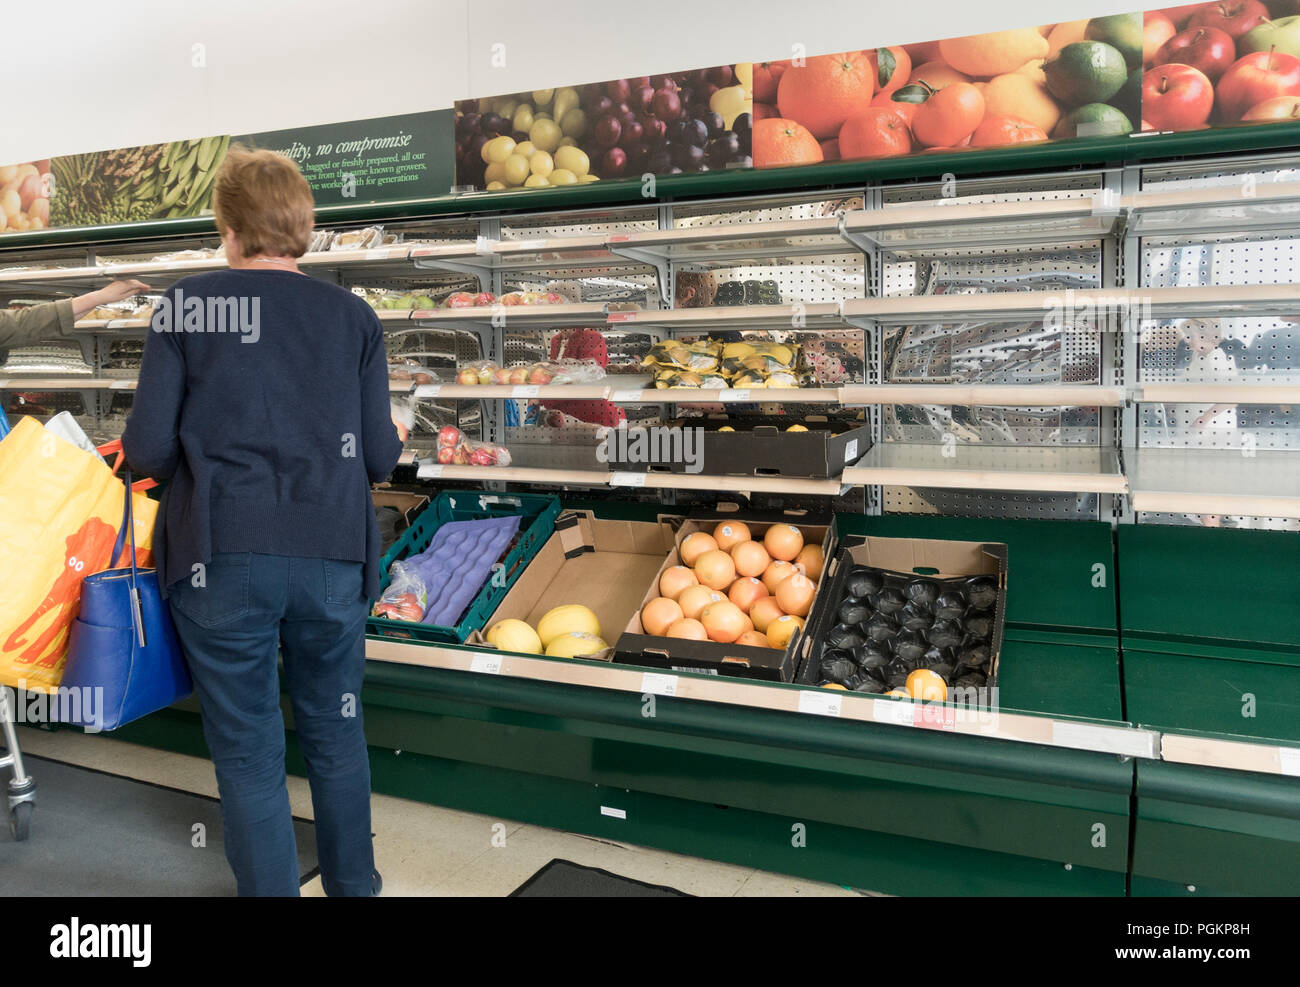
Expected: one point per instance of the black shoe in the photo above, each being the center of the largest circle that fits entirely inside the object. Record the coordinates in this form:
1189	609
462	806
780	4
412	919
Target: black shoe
377	882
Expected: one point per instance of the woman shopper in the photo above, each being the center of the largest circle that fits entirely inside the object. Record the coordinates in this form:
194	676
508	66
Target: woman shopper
263	401
25	326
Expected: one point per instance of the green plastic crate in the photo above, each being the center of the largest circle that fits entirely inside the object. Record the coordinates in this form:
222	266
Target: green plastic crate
537	524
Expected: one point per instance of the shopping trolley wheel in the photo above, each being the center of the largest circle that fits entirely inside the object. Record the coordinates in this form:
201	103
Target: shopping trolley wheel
20	821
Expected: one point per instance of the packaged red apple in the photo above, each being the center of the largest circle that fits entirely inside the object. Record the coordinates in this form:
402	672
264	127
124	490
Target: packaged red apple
409	371
478	372
574	371
469	299
532	298
406	597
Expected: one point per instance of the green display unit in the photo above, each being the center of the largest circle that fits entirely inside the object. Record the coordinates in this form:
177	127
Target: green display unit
1211	629
1205	831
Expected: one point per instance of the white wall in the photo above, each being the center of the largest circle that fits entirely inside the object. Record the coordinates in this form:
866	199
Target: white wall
126	72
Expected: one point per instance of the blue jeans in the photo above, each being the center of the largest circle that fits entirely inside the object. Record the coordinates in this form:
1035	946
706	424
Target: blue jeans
232	628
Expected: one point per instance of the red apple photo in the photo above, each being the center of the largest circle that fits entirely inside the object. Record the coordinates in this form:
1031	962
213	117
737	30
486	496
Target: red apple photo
1176	97
1181	13
1156	30
1254	78
1234	17
1206	49
1271	110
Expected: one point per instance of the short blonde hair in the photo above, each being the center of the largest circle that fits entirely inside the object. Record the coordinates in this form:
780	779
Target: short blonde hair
263	197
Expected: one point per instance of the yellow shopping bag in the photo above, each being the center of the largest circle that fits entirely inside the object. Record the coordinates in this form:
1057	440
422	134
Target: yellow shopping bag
59	511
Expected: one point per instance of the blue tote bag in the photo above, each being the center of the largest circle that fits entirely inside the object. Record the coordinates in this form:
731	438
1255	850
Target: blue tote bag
123	641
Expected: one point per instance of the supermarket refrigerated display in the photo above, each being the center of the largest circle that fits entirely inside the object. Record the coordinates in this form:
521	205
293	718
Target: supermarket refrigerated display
1094	696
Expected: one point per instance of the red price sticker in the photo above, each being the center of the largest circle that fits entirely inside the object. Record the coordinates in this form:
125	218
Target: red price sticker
935	716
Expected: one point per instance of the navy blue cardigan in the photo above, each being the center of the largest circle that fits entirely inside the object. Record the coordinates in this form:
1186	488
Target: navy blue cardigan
263	399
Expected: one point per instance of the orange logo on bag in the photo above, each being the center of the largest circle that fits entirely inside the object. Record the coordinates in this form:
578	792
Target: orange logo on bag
87	551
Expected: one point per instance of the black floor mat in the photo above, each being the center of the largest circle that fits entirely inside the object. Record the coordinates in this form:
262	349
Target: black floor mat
100	835
565	879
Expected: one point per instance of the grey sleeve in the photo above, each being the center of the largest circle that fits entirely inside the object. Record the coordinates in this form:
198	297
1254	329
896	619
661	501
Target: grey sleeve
31	325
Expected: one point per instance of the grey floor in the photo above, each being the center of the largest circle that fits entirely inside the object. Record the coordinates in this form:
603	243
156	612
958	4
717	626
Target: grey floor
427	850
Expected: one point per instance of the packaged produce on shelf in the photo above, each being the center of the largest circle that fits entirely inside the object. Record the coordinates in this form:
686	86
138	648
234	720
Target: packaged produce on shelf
320	240
456	450
701	356
365	239
128	309
382	298
747	584
483	372
884	629
568	631
436	585
746	364
409	370
469	299
533	298
406	597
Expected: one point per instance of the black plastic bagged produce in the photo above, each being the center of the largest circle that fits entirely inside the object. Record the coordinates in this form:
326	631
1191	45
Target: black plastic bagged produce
982	592
950	605
944	671
853	611
864	581
914	617
881	628
979	624
922	592
838	670
936	656
845	637
872	654
975	655
889	600
909	646
868	684
945	634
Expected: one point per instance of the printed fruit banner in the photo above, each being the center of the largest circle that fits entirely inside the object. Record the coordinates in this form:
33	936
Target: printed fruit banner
1181	68
693	121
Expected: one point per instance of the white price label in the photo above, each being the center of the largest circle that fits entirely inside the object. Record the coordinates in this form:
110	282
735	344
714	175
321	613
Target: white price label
820	703
626	479
528	391
897	711
740	394
609	810
527	244
377	253
487	664
427	390
429	471
121	385
658	684
626	397
1112	740
851	452
1288	759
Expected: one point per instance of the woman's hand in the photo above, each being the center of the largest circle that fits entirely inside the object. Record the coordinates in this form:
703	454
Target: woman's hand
114	292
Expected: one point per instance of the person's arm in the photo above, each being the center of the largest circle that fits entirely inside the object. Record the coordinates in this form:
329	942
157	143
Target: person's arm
37	322
380	443
115	292
25	326
152	437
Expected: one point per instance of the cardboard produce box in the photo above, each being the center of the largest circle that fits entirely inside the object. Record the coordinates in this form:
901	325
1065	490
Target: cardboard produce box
759	446
949	565
604	565
636	647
